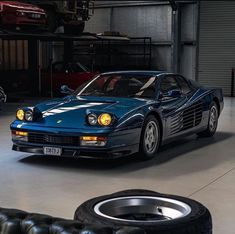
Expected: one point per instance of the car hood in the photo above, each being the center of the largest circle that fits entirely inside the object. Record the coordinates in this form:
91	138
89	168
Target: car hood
22	6
71	112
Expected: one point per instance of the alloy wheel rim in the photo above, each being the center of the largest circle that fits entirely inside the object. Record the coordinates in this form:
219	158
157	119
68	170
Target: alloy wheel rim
151	137
142	209
213	118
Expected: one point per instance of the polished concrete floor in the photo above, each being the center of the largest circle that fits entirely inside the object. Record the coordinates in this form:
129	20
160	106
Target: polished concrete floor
202	169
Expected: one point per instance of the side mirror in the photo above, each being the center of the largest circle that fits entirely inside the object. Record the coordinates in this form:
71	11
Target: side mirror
174	93
171	94
65	89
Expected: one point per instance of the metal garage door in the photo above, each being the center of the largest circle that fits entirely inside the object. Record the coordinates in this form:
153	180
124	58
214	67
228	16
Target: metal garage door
217	44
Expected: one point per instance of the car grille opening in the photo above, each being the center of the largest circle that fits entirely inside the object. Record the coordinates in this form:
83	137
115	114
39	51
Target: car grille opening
53	139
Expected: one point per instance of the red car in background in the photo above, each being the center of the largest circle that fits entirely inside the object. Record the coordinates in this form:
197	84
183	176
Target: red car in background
71	74
18	14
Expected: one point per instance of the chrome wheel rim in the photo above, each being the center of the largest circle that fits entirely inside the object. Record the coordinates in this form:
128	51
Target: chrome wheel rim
3	97
151	137
213	118
142	209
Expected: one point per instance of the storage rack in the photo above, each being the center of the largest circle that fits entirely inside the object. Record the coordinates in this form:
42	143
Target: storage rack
112	52
34	40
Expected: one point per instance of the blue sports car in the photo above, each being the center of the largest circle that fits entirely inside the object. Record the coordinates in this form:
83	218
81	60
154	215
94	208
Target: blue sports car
118	114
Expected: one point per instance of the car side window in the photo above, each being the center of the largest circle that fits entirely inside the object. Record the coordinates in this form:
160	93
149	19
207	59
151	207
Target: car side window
184	86
169	83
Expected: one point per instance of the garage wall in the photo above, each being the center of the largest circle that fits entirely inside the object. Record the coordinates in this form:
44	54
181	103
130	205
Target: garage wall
13	54
146	21
217	44
189	19
153	20
100	21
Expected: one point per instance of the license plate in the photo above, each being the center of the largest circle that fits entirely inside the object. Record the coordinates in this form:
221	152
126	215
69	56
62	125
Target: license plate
52	151
35	16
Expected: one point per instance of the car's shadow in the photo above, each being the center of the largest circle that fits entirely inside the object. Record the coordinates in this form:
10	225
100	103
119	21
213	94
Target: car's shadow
167	153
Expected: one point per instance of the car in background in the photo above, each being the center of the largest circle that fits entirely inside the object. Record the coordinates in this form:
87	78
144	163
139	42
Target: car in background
118	114
72	74
19	14
71	14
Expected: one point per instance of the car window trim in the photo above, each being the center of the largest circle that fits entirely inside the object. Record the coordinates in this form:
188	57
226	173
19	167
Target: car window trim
169	75
186	80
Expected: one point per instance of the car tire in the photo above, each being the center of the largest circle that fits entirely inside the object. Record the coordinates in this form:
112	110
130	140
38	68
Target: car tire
130	230
159	213
147	152
132	192
212	121
76	29
96	229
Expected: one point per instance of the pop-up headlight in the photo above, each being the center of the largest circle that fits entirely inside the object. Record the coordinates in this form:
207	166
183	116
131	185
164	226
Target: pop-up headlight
28	115
20	114
104	119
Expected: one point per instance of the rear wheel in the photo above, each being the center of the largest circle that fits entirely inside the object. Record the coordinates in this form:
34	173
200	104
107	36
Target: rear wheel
150	138
212	122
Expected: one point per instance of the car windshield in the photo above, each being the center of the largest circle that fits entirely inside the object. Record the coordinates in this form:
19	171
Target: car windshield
120	85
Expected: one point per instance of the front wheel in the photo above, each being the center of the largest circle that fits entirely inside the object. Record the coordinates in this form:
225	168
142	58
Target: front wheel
212	122
150	138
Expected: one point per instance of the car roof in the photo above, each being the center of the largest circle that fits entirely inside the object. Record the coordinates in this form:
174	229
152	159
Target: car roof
151	73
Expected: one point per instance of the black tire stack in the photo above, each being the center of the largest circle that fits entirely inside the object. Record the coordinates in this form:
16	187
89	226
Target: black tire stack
198	221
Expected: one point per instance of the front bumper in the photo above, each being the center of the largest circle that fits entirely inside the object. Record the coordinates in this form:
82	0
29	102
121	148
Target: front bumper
104	153
23	21
118	144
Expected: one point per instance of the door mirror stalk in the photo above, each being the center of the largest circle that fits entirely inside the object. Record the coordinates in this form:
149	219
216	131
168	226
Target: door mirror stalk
66	90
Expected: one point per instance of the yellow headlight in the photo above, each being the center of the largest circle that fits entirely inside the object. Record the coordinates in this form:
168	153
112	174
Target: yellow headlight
20	114
105	119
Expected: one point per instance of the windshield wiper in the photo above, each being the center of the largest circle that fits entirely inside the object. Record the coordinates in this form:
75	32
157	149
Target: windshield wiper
94	92
141	96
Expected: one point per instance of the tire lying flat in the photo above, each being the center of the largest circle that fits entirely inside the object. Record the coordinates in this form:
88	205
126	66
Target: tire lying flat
155	213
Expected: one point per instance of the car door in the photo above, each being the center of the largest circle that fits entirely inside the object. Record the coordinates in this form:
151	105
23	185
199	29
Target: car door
170	105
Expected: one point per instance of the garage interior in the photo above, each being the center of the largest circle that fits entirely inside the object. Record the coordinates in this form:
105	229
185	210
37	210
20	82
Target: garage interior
193	38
